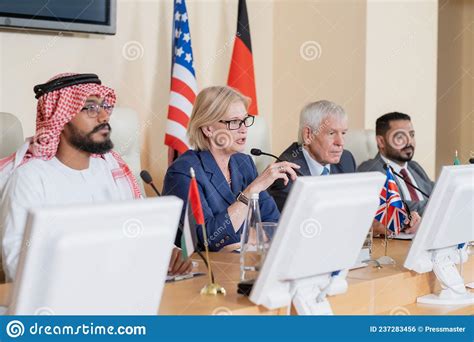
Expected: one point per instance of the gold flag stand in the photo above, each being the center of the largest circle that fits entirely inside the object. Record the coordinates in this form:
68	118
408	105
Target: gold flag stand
211	288
385	259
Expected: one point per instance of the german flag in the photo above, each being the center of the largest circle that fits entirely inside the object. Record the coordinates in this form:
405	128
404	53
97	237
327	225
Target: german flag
241	73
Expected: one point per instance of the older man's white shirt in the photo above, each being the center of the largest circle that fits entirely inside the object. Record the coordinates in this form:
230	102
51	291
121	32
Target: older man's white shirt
315	168
43	183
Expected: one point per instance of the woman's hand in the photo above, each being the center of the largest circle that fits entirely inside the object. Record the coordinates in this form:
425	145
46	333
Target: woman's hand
177	264
282	170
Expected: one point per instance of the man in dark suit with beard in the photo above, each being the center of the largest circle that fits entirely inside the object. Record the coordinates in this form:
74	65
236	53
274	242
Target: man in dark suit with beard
320	147
396	144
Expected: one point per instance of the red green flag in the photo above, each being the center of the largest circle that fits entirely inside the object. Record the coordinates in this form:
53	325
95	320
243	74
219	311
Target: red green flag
194	216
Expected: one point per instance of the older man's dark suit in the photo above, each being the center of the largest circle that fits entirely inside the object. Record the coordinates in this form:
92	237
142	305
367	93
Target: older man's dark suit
294	154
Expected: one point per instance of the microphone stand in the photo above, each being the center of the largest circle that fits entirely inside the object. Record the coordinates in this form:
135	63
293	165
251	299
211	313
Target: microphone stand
257	152
407	181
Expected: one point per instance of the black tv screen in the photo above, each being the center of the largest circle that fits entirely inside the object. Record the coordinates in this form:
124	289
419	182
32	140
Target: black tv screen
93	16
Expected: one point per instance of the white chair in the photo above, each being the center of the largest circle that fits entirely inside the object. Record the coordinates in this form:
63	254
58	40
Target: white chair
126	135
362	144
258	137
11	138
11	134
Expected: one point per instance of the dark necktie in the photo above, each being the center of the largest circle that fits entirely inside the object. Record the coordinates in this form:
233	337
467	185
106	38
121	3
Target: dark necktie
411	190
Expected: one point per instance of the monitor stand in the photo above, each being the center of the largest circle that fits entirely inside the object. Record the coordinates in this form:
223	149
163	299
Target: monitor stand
453	291
310	295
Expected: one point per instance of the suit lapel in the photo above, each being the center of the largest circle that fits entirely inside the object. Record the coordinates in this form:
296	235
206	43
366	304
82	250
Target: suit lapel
216	177
335	169
297	157
236	176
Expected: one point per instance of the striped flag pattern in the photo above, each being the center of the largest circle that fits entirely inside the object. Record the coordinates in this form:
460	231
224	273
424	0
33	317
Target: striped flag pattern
391	212
183	82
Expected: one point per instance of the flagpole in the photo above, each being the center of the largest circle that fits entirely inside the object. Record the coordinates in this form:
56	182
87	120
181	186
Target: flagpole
211	288
386	218
172	151
386	229
204	233
385	259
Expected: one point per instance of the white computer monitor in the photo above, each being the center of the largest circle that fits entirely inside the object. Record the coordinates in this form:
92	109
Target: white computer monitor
100	259
321	231
446	228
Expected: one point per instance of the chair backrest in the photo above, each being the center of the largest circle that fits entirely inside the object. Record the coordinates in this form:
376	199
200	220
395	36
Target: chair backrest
11	138
258	137
362	144
11	134
126	135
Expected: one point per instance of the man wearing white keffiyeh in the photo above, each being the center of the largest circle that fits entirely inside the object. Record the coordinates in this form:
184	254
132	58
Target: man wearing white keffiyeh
68	161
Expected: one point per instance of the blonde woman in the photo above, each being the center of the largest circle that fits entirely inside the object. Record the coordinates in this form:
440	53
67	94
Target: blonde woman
226	177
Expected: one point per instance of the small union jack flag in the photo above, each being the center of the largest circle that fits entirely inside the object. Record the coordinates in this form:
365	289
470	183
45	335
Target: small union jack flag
391	212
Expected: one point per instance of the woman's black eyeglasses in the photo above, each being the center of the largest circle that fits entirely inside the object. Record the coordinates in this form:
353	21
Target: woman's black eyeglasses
236	124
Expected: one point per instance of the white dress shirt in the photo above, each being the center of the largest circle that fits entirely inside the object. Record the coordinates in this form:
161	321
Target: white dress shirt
315	168
402	184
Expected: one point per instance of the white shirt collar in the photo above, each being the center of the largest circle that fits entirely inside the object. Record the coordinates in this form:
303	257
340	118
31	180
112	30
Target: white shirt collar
56	162
315	168
394	165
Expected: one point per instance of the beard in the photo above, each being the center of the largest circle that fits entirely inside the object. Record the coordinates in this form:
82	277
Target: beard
85	143
403	155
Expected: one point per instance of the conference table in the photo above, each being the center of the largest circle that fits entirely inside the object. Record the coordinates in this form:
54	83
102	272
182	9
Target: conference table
390	290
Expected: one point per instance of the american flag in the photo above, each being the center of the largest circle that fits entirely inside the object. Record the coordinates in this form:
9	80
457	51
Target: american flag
183	82
391	212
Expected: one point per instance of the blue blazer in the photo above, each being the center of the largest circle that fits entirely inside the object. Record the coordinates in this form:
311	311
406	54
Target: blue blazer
216	195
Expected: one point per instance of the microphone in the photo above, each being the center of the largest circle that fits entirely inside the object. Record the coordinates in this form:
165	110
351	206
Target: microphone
407	182
471	161
258	152
146	177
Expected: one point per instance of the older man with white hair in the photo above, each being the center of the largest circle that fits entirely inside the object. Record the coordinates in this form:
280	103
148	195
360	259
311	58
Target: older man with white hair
320	147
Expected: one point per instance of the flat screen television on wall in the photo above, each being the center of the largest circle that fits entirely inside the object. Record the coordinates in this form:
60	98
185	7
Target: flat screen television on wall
92	16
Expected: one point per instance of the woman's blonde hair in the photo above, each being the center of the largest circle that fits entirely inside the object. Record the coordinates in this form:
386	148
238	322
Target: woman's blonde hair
211	105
